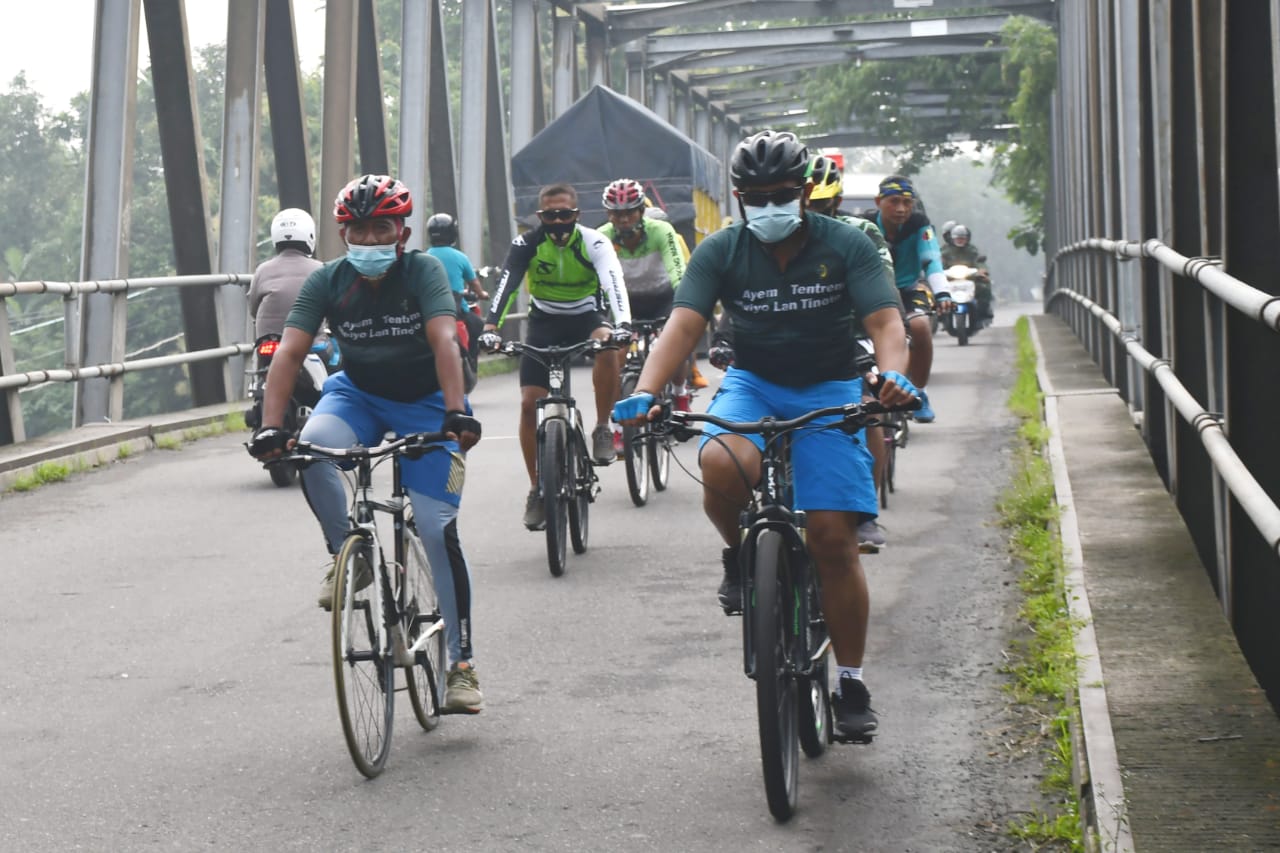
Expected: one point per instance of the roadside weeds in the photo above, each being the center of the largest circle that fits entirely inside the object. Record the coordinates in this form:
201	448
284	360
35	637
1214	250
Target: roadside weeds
1042	662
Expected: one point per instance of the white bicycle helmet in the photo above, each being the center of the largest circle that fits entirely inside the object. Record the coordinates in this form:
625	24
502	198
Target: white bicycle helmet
294	225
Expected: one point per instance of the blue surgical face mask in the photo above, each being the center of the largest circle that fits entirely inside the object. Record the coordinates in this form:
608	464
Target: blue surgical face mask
773	222
371	261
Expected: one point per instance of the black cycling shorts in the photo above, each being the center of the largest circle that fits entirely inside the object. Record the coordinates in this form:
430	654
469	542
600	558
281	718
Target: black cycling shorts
653	307
917	300
546	330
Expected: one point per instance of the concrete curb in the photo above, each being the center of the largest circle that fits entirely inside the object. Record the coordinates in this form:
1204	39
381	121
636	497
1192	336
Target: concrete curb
1098	782
95	445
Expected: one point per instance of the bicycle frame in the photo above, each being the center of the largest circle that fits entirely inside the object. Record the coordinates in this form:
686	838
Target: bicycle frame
362	519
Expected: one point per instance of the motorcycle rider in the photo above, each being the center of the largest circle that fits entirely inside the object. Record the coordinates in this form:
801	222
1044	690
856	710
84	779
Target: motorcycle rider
277	280
393	313
962	251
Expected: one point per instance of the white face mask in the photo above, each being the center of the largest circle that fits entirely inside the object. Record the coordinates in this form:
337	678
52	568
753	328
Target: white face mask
773	222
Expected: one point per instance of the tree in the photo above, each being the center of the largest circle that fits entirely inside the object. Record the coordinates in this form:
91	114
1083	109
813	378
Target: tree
1019	84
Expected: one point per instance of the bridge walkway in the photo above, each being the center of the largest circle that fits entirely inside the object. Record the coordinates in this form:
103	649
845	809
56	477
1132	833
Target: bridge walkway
1196	742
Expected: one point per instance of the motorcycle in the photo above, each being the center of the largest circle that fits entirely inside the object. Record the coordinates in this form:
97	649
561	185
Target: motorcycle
323	360
966	317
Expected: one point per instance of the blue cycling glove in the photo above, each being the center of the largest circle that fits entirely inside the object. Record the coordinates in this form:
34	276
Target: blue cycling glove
902	382
635	406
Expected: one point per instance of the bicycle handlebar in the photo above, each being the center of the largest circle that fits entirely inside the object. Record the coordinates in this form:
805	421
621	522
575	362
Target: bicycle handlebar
545	355
412	446
853	417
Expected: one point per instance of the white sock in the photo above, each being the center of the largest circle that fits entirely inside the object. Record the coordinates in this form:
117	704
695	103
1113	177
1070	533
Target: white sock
851	671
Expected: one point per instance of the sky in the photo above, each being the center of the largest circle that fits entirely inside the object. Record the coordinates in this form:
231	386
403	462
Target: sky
60	66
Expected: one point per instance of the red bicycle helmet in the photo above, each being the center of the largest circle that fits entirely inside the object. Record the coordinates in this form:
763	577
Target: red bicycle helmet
623	194
371	196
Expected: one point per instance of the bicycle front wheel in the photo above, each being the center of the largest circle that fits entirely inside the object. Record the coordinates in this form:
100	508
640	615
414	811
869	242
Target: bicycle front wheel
552	461
660	457
815	691
422	618
774	640
363	675
636	451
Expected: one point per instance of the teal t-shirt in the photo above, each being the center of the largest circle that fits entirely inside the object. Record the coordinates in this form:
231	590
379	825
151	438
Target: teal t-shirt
381	329
794	327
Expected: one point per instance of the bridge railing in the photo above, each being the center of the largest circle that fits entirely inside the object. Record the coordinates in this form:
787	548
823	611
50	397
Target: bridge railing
1182	366
12	380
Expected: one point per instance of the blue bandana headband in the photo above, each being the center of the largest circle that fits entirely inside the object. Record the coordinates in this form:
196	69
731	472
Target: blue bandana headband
898	188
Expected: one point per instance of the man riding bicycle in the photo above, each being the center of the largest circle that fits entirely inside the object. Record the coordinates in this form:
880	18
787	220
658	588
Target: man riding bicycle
649	252
571	271
794	285
915	251
394	316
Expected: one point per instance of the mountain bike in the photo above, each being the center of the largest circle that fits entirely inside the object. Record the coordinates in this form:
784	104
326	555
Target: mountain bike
385	610
784	636
647	456
567	479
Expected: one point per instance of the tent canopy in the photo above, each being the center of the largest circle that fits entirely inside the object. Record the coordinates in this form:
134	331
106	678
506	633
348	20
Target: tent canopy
606	136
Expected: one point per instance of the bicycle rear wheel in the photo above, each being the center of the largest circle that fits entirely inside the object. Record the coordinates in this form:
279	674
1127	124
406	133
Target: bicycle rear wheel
363	675
773	639
815	691
579	477
552	460
422	617
636	451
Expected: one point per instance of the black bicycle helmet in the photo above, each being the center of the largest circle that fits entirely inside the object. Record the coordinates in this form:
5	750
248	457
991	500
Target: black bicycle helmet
442	229
769	157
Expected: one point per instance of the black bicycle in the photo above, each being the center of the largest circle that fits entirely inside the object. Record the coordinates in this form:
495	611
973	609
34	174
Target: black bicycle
385	611
784	637
567	481
647	455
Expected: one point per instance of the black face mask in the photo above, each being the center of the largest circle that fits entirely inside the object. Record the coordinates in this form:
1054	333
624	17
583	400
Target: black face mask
559	230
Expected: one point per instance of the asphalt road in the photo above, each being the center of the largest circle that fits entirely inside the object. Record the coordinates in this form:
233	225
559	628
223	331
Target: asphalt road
168	681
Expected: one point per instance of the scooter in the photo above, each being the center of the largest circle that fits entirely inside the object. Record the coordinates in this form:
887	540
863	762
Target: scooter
323	360
964	320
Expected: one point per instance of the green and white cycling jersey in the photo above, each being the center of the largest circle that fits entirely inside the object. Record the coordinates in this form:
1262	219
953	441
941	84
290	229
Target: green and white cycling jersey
654	267
866	226
578	277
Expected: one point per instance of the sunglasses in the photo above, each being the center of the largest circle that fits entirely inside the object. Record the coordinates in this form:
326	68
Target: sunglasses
759	198
564	214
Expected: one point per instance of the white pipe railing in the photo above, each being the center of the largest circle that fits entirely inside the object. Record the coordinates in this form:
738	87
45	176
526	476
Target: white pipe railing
1249	301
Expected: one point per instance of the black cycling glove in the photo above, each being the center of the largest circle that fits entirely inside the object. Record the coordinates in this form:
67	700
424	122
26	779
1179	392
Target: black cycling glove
458	422
268	440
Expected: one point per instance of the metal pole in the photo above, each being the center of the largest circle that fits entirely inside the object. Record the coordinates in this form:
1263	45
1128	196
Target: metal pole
415	55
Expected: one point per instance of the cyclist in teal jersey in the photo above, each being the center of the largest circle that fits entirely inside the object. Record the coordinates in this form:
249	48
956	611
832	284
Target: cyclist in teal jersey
915	253
394	317
651	258
793	284
572	271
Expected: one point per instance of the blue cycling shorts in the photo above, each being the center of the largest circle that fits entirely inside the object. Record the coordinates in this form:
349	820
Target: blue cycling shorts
437	474
832	470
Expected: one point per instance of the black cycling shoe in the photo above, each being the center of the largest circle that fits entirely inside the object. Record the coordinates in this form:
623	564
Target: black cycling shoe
730	591
851	706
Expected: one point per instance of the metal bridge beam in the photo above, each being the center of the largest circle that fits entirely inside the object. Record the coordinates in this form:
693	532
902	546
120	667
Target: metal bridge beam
99	336
337	148
371	121
182	153
285	108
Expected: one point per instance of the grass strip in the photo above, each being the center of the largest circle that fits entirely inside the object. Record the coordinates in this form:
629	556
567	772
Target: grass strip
1042	663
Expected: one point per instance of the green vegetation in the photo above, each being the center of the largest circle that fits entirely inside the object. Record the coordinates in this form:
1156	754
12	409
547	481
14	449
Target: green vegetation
984	92
1043	664
45	472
